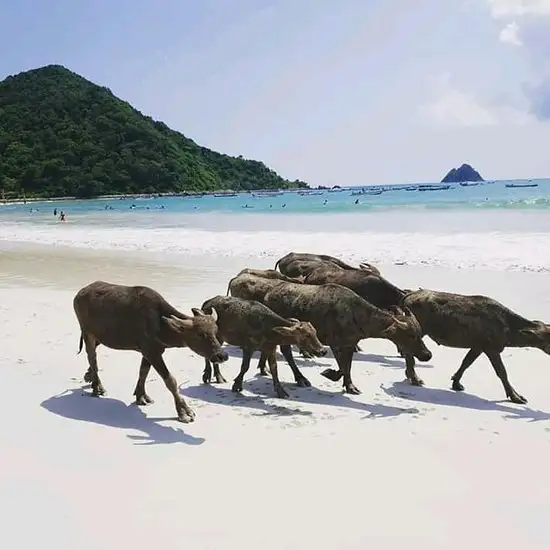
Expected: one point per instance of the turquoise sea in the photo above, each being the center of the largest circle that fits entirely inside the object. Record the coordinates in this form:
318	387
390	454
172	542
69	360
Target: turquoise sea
484	226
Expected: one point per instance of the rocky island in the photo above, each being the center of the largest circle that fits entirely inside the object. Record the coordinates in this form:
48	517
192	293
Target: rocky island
461	174
64	136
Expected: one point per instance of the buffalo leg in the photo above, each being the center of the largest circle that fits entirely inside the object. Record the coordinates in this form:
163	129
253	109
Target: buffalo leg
469	358
88	373
207	373
185	414
272	361
344	357
141	395
304	354
300	379
261	364
245	365
500	369
91	345
410	373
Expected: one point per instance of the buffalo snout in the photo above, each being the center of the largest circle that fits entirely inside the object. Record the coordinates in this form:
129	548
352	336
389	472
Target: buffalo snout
424	355
219	357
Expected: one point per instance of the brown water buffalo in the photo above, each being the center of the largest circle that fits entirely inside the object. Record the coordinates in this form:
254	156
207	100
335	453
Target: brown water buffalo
138	318
371	286
477	323
374	288
253	285
342	318
252	326
295	264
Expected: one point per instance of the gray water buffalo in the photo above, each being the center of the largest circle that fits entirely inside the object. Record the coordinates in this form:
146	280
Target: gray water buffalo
342	318
253	284
372	287
252	326
477	323
295	264
138	318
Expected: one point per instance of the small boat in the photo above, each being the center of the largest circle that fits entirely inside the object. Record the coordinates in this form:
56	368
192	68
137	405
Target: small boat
521	185
469	183
433	187
228	194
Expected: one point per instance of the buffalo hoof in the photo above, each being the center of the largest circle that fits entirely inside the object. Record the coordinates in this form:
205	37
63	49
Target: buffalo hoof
517	398
263	372
88	377
186	417
457	386
281	392
143	400
303	382
353	390
220	379
416	381
332	374
206	378
237	388
98	392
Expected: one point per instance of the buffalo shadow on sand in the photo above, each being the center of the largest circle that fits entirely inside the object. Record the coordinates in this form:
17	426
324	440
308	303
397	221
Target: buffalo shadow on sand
77	404
392	361
262	388
451	398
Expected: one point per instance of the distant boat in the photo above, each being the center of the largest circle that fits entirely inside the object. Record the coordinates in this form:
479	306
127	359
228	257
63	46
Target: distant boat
521	185
337	190
228	194
469	183
433	187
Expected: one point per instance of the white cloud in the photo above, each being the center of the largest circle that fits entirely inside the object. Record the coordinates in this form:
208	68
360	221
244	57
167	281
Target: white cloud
454	107
517	8
510	34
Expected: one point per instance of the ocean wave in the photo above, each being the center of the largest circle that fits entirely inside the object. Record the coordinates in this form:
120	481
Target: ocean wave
525	251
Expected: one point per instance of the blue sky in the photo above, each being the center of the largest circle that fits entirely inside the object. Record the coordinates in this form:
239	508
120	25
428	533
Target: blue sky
348	92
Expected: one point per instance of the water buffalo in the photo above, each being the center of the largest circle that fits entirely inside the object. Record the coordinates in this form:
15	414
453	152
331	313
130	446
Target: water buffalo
371	286
253	326
342	318
479	323
138	318
374	288
295	264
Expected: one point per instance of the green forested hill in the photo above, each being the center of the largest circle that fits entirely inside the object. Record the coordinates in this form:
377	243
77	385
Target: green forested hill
61	135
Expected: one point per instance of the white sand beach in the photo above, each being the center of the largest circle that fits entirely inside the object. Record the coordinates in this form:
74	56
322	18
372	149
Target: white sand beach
396	467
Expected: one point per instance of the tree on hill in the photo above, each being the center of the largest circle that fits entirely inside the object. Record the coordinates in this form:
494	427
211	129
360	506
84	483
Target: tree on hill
62	135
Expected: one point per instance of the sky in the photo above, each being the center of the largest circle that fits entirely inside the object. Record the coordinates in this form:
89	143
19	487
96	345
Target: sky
353	92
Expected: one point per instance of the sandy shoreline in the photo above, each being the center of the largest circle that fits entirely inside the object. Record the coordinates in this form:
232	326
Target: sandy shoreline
394	467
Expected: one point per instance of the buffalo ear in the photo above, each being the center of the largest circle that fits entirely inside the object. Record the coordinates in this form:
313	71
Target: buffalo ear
529	331
214	314
389	331
177	324
283	331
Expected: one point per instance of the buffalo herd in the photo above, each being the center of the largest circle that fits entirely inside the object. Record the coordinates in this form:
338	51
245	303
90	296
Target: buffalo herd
308	301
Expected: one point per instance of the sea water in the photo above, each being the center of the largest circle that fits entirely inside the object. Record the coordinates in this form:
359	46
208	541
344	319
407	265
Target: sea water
486	226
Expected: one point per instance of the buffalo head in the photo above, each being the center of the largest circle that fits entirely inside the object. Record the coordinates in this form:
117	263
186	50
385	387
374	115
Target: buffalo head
303	335
537	336
198	333
406	333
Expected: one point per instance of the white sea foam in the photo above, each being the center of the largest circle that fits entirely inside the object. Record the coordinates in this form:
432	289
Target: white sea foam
521	251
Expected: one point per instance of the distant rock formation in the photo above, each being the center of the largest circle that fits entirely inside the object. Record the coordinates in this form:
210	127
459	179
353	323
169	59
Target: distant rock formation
464	173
